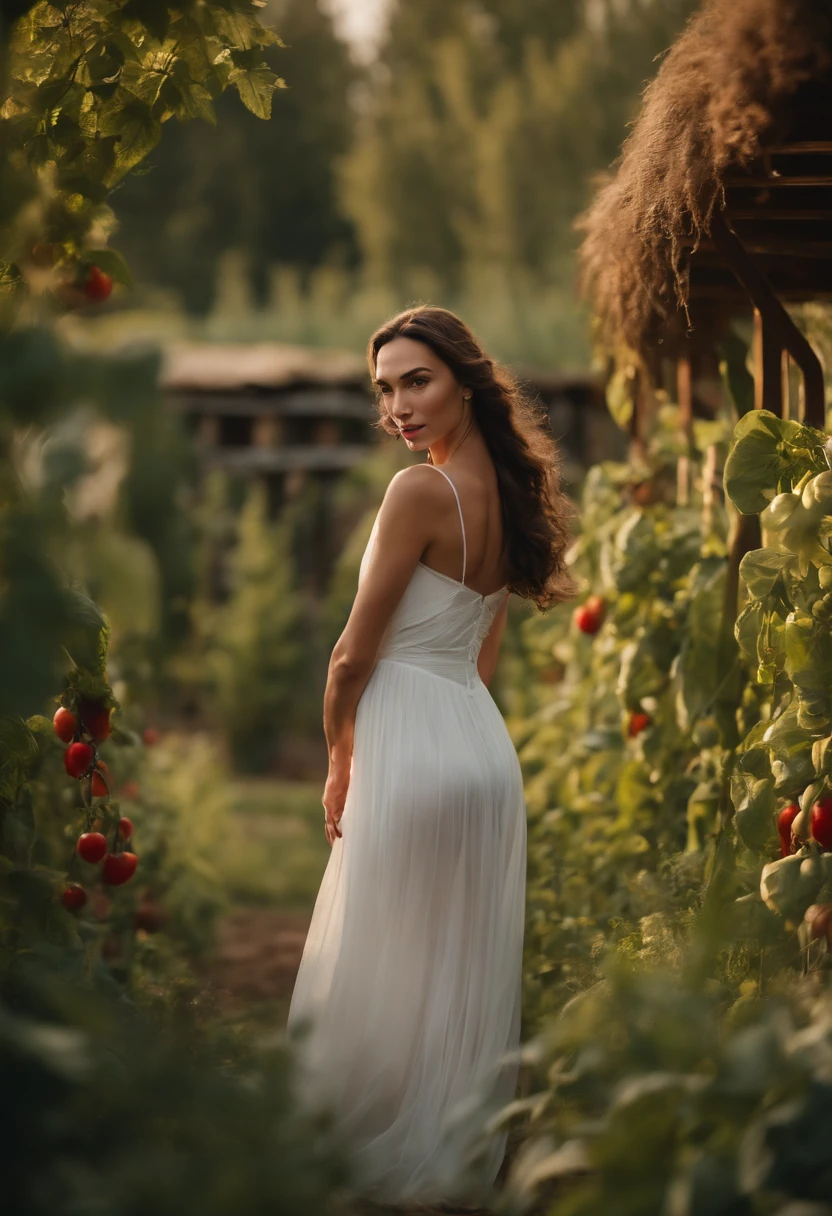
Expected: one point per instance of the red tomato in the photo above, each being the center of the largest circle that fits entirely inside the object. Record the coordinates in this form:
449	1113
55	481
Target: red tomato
91	846
97	285
95	719
65	724
638	722
589	617
73	897
784	826
125	827
118	868
821	821
102	780
78	759
150	736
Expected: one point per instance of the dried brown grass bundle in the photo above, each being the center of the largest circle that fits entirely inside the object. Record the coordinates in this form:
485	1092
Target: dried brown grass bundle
720	88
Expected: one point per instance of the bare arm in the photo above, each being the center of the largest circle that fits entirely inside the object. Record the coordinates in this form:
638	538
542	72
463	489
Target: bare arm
411	513
490	649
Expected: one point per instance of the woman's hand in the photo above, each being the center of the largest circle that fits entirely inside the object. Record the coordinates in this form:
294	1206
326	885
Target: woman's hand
335	796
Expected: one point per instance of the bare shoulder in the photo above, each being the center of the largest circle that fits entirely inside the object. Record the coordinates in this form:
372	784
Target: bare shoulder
416	488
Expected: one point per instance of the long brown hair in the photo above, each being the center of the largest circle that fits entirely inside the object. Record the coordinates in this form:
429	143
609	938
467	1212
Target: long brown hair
536	513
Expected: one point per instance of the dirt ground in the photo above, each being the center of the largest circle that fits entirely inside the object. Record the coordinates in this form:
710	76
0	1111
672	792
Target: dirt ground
256	960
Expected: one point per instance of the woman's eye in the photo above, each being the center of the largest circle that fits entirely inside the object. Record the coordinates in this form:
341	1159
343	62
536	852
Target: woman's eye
419	380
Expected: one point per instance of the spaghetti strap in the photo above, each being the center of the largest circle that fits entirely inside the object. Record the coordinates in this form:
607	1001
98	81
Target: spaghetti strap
461	521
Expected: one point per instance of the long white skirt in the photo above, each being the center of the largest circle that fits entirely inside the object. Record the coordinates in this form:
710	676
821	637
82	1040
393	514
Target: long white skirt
406	1008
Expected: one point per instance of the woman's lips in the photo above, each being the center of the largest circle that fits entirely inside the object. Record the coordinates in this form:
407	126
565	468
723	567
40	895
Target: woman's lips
407	431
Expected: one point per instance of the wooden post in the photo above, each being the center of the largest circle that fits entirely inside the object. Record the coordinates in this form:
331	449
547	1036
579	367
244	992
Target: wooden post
768	367
777	330
638	421
684	395
710	486
267	431
208	430
786	388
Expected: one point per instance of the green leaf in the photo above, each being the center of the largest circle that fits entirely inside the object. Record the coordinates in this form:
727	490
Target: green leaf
698	671
256	88
754	802
196	102
791	752
154	15
747	628
40	725
240	30
137	130
18	748
769	451
822	755
87	633
761	568
619	393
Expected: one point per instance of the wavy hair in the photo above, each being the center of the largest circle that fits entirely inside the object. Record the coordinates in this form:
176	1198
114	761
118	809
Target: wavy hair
536	513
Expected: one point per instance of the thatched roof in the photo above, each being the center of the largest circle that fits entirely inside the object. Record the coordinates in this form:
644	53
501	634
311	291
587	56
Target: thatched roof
742	100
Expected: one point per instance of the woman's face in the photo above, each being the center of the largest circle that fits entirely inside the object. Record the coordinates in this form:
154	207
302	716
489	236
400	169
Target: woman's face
419	392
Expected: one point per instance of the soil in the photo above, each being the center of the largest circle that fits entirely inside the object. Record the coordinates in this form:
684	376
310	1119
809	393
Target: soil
252	971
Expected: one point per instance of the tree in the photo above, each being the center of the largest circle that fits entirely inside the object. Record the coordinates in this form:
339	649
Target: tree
266	189
485	126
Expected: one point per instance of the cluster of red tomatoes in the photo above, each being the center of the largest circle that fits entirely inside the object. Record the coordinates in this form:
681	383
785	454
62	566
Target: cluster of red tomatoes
588	618
820	826
82	732
819	916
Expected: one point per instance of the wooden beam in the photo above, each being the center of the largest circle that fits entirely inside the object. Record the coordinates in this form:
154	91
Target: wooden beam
727	291
782	246
739	182
311	457
777	330
777	213
800	147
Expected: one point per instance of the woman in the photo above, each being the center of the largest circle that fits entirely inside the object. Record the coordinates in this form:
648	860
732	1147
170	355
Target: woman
407	1003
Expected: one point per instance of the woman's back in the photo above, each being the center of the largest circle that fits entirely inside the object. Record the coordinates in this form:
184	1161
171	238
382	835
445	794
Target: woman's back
478	536
441	621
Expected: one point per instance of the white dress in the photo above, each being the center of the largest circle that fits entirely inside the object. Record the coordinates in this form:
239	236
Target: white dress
409	984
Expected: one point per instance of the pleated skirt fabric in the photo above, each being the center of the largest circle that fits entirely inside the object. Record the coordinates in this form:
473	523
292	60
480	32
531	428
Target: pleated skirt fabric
406	1009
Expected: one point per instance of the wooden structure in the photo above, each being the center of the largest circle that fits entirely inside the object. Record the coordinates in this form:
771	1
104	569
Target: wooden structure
722	197
719	207
292	416
579	418
281	413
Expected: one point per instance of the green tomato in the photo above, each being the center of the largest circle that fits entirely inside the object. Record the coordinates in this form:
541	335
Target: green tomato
779	511
818	493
